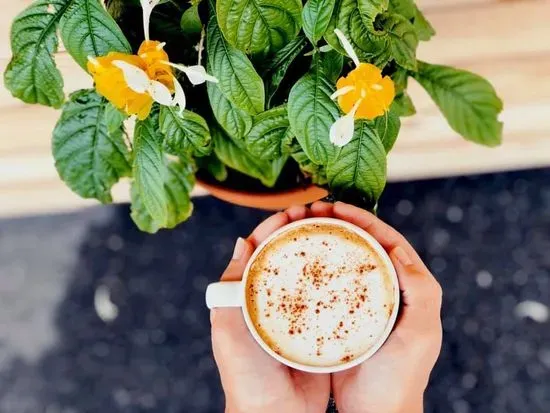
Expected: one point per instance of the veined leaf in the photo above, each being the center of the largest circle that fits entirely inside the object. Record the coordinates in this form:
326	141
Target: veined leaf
149	169
402	40
372	8
316	18
89	158
113	117
277	67
267	136
184	134
360	165
234	121
214	166
312	112
234	154
400	79
259	27
332	64
468	101
387	128
238	80
355	18
190	20
316	173
424	29
403	105
405	8
32	75
396	37
88	30
177	184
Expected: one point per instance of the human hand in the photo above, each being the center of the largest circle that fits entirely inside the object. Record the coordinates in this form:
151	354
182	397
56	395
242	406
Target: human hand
252	380
394	379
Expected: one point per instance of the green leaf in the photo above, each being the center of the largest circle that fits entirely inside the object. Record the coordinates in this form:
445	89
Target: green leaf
393	38
114	118
373	8
238	80
259	27
311	113
88	30
316	173
185	133
360	166
355	18
316	18
89	158
332	64
267	137
424	29
400	79
405	8
177	184
403	105
468	101
276	166
214	166
234	121
387	128
277	67
234	155
402	40
149	169
32	75
191	21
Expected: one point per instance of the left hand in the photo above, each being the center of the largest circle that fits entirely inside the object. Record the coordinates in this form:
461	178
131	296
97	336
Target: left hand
252	380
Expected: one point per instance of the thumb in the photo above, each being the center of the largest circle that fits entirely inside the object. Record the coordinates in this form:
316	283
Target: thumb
241	254
234	272
420	290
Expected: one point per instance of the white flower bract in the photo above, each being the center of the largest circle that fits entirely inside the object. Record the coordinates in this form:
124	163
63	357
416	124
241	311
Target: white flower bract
147	6
341	131
347	46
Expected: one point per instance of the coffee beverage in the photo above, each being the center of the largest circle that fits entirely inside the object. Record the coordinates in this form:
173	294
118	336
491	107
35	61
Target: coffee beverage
320	294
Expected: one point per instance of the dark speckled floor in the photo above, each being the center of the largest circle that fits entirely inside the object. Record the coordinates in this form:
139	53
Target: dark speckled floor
486	238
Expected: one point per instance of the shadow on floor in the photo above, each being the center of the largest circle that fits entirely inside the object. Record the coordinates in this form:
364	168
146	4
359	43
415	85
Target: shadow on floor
486	238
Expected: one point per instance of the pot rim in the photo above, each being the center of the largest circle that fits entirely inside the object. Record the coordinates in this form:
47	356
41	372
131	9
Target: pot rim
265	200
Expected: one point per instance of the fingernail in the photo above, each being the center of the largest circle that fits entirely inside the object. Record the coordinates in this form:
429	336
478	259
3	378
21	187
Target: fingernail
239	248
402	256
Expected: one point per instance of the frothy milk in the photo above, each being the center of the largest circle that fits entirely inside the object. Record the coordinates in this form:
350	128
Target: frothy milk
319	295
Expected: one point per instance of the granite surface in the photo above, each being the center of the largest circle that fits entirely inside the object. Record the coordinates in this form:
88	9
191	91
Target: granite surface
98	317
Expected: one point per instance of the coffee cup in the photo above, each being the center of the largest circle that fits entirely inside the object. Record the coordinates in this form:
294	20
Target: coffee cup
319	295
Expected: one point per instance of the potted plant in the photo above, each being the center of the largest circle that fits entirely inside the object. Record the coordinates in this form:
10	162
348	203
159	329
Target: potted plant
265	102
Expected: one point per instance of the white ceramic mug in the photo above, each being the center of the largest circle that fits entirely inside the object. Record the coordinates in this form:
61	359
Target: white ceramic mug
232	294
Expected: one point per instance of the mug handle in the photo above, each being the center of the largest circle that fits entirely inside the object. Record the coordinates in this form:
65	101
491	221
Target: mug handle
224	294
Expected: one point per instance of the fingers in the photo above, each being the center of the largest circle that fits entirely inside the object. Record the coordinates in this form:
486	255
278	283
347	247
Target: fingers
271	224
420	290
322	209
387	236
241	254
274	222
296	213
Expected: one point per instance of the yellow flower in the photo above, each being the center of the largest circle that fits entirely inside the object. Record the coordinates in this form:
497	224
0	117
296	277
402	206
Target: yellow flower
376	93
110	80
362	94
133	82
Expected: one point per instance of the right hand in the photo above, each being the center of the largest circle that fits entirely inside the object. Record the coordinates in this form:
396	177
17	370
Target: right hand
394	379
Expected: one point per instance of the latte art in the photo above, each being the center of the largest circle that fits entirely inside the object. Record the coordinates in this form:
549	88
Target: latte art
320	295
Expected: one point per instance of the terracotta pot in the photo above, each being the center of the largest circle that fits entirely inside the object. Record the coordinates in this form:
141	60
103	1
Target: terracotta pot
265	200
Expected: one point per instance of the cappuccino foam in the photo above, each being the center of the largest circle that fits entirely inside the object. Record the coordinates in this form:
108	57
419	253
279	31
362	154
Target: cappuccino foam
319	295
